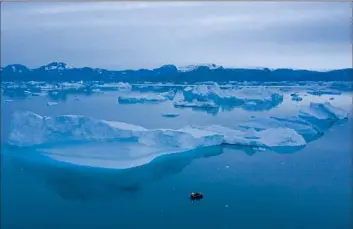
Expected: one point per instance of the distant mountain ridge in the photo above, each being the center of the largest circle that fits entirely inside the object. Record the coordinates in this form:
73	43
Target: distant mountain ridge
59	71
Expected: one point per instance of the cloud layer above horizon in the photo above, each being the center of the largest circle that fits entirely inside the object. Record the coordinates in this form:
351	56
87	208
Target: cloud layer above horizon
122	35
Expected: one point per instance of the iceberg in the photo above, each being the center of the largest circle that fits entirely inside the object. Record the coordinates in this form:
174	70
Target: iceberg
121	86
311	121
96	90
179	101
30	129
248	98
131	145
141	98
323	111
184	138
169	94
302	127
324	92
196	104
272	137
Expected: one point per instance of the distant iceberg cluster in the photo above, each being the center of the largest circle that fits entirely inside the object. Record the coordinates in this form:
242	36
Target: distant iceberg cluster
213	96
141	98
32	130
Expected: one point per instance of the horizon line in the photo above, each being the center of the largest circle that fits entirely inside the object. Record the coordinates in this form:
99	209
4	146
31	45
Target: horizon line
189	65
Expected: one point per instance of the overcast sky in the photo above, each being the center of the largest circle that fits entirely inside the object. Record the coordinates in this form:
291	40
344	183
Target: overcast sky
135	35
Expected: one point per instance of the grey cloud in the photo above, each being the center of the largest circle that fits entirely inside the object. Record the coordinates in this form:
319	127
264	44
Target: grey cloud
147	35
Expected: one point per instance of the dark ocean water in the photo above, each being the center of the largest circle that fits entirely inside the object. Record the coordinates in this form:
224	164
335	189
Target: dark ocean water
307	189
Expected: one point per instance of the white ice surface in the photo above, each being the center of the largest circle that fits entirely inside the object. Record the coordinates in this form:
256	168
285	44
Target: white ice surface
323	111
30	129
250	98
50	104
141	98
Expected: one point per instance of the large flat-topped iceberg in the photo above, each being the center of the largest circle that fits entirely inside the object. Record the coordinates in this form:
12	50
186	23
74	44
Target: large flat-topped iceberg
61	132
322	115
324	111
324	92
260	98
142	98
272	137
311	121
30	129
304	128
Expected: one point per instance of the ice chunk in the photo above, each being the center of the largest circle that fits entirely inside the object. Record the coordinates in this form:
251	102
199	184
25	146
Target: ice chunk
124	86
185	138
322	115
29	129
304	128
196	103
96	90
272	137
136	145
179	101
170	115
324	92
169	95
323	111
141	98
50	104
248	98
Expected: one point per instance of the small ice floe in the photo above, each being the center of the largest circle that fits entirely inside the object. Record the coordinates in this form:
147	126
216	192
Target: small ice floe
96	90
50	104
170	115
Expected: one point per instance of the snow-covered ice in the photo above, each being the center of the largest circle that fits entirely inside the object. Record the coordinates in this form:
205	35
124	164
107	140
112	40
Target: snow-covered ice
124	86
50	104
141	98
323	111
324	92
29	129
195	103
259	98
194	67
271	137
311	121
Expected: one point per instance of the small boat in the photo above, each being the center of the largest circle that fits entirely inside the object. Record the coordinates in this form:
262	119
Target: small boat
196	196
